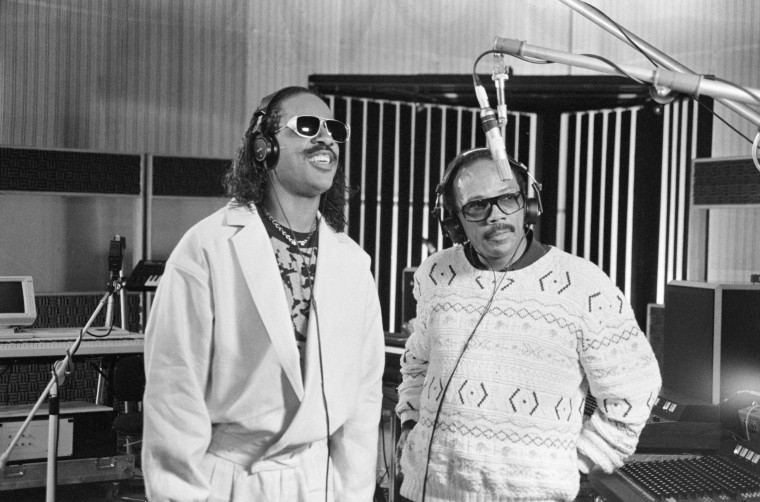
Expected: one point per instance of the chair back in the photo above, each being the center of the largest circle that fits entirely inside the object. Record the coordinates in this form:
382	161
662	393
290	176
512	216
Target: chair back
128	380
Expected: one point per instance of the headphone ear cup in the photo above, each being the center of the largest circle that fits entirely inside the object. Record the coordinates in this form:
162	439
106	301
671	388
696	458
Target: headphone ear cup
266	151
449	224
453	228
532	212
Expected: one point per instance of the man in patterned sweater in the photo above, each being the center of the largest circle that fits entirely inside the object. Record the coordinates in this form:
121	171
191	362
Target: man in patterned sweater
510	336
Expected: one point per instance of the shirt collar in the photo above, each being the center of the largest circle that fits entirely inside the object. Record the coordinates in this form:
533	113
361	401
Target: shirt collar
532	253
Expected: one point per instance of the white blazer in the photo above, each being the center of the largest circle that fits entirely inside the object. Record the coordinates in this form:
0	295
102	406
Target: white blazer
223	371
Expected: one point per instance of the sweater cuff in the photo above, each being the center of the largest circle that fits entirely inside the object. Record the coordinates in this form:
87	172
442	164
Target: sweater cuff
592	454
584	463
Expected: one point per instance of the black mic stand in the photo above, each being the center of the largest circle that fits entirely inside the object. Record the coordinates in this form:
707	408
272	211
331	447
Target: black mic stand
60	370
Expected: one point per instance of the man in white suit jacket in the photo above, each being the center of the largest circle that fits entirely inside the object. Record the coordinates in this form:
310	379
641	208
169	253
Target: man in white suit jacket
264	347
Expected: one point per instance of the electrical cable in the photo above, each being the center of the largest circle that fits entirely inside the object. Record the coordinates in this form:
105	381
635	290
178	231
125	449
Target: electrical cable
624	32
725	122
737	86
754	406
110	329
324	395
464	349
385	456
100	371
313	304
615	67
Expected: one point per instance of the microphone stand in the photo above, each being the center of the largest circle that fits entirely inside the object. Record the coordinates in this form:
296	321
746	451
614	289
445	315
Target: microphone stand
123	300
60	370
122	307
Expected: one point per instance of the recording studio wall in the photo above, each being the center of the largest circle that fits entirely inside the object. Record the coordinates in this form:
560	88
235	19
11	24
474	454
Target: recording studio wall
615	184
62	207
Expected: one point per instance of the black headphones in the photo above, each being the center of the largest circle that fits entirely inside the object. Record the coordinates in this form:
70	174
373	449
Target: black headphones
266	150
450	220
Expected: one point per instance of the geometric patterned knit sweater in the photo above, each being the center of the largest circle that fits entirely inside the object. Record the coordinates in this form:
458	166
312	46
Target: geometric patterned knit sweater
511	425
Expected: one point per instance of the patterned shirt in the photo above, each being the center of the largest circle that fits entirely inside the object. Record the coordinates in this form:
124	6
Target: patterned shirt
298	266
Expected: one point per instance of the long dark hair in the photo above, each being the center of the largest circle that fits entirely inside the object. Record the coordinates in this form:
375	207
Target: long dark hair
247	181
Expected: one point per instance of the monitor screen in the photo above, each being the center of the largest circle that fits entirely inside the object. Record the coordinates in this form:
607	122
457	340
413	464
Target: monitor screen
17	308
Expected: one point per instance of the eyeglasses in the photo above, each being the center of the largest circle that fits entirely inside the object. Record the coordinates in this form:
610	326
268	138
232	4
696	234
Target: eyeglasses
478	210
308	126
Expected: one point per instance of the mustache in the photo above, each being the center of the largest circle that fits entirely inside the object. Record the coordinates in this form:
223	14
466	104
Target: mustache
321	148
498	227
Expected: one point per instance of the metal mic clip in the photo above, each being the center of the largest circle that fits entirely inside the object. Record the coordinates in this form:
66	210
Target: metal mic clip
500	74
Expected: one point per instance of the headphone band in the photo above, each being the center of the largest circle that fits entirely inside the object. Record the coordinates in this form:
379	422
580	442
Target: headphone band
266	149
263	110
450	222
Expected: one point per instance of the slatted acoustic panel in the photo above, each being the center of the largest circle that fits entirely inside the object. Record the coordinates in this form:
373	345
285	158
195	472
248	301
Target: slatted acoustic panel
60	209
183	191
724	242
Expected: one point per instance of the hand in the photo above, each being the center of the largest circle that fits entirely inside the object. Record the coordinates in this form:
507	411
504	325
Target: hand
399	448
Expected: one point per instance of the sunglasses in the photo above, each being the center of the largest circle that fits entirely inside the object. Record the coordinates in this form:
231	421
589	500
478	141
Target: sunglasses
478	210
308	126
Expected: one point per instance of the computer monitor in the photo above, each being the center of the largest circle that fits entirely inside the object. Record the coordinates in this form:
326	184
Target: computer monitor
17	308
711	343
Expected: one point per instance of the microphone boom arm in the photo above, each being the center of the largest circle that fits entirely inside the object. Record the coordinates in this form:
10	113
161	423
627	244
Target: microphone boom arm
657	55
675	80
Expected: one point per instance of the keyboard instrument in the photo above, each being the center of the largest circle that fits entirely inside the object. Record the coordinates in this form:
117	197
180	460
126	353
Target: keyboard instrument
146	275
56	341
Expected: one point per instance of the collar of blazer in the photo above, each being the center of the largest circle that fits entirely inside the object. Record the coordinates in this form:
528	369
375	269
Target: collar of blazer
262	272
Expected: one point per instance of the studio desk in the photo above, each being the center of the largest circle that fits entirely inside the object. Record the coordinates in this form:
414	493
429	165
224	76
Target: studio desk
87	445
30	350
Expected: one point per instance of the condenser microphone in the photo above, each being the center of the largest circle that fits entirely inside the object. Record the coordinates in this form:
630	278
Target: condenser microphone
493	134
116	255
500	74
115	261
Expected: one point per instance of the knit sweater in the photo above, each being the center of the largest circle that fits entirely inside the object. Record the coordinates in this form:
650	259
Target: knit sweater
511	425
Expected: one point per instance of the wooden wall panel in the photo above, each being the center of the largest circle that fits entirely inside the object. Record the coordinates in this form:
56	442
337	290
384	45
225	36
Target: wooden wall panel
711	37
129	76
182	77
733	244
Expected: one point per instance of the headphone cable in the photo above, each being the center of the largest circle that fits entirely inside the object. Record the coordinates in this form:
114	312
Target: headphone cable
461	354
313	303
